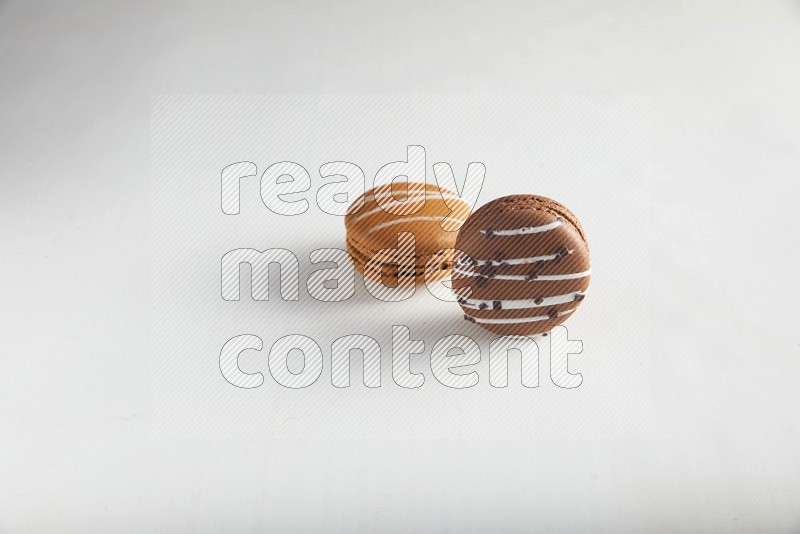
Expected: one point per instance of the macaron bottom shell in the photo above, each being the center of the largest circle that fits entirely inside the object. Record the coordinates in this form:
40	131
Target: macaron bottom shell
432	267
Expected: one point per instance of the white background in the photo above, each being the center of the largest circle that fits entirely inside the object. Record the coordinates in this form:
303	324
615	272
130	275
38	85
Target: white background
79	448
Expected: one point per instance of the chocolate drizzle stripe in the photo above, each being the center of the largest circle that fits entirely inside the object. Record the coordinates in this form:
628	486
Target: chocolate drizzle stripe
412	201
523	277
525	229
411	219
514	261
522	304
430	194
413	193
515	320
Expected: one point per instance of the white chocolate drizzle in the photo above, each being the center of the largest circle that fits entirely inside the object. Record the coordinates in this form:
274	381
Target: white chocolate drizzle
404	204
523	304
516	320
411	193
511	261
525	229
527	278
411	219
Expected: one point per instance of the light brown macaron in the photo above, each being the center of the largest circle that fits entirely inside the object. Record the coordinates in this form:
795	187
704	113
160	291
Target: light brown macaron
376	220
522	265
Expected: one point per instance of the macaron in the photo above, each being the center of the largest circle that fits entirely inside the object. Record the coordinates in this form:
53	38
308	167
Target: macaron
376	220
521	266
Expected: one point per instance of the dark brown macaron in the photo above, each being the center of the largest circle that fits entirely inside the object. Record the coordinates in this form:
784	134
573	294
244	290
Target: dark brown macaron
521	266
376	221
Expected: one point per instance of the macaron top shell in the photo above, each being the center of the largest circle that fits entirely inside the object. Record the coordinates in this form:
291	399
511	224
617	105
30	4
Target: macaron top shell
378	216
522	265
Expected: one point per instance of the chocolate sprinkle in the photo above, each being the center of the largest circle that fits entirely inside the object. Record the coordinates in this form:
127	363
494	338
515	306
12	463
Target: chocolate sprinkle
579	297
496	305
480	281
531	276
552	313
468	318
538	300
490	233
462	300
483	306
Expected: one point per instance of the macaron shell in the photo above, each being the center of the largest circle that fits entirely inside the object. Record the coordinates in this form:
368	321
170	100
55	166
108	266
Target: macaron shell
417	208
522	265
390	273
434	262
420	263
501	249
